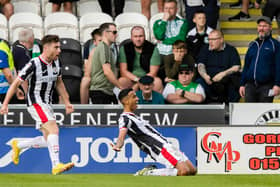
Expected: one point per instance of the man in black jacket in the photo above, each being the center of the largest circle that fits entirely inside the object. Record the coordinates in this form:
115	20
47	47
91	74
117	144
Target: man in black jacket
137	58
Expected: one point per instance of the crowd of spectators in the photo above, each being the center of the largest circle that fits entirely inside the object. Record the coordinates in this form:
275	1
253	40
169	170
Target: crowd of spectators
189	63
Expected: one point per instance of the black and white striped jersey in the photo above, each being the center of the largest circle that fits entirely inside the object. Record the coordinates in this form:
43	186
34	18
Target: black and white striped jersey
142	133
42	77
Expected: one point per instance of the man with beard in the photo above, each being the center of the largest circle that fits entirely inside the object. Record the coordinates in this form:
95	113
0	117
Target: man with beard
138	58
260	79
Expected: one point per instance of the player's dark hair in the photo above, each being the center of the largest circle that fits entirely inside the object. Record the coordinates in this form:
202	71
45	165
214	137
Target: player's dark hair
50	39
124	93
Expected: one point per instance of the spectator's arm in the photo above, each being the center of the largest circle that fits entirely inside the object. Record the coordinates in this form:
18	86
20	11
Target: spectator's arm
153	71
85	83
159	29
110	75
8	75
277	65
125	73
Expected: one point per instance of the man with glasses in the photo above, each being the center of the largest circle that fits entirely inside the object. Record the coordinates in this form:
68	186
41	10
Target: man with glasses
260	80
219	66
184	90
103	71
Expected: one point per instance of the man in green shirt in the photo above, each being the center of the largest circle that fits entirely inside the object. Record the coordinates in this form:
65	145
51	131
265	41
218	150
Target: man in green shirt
138	58
103	74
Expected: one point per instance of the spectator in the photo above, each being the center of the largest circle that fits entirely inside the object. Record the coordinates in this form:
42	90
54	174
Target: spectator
243	15
210	7
198	36
146	7
7	73
67	5
170	28
146	94
172	64
6	8
95	39
106	6
137	58
24	50
271	9
261	73
238	4
184	90
219	66
85	82
103	71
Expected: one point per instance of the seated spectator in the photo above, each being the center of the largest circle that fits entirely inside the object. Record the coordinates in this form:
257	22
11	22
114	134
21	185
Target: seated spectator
146	94
184	90
146	7
23	50
137	58
6	8
173	61
96	38
67	5
170	28
198	36
219	68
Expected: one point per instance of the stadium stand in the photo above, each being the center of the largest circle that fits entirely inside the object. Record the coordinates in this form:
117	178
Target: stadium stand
32	6
63	24
87	6
25	19
88	24
71	61
4	34
126	21
132	6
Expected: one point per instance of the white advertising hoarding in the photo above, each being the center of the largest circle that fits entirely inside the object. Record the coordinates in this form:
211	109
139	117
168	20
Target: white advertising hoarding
254	113
238	150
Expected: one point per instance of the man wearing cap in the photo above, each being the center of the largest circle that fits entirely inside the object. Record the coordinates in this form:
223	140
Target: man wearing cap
146	94
219	66
184	90
261	73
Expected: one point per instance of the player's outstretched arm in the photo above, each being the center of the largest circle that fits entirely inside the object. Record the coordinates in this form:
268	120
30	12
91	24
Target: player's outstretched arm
120	141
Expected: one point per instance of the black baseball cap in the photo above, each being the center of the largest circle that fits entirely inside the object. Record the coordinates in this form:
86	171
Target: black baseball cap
146	80
264	18
186	67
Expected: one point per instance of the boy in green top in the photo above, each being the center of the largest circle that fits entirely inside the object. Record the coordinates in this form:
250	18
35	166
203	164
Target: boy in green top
184	90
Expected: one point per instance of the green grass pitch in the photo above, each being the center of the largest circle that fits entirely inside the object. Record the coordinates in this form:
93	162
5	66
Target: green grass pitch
126	180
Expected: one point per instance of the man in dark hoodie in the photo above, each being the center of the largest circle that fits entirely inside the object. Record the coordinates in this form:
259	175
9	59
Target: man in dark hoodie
260	80
138	58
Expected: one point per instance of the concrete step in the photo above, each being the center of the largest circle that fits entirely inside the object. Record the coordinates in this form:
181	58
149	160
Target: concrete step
232	12
242	25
